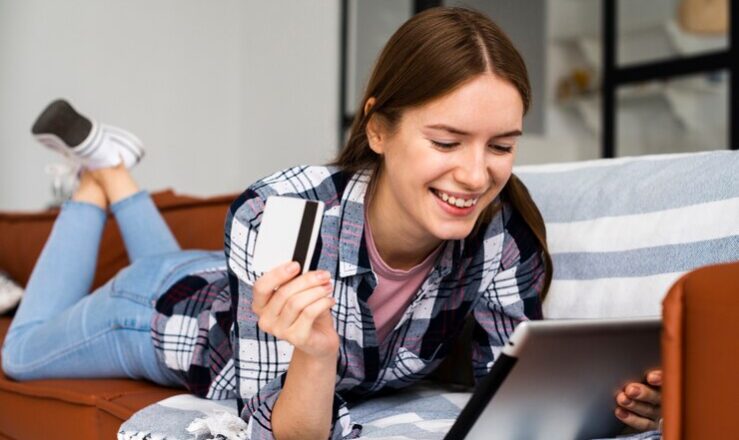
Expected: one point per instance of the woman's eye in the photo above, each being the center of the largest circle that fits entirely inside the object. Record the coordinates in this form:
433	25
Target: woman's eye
502	148
444	144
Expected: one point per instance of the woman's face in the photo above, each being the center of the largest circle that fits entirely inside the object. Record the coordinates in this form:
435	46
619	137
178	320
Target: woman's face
448	159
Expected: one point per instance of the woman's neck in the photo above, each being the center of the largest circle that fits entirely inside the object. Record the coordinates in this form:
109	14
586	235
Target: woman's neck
400	246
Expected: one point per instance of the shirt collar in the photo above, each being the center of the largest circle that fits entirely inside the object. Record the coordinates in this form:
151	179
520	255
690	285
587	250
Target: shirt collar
353	252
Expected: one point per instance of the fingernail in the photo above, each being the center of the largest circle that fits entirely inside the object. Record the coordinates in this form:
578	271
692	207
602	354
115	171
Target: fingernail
293	267
620	413
625	401
328	287
632	391
323	275
655	377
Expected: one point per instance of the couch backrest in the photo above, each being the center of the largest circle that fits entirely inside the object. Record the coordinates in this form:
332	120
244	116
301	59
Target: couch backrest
621	231
197	223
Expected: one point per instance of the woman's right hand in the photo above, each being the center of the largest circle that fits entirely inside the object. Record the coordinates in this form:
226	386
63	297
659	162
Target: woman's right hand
297	309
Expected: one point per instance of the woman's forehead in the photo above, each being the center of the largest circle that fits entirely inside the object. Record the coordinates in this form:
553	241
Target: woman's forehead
483	104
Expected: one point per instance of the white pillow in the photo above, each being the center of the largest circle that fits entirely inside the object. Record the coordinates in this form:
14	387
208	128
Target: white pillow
621	231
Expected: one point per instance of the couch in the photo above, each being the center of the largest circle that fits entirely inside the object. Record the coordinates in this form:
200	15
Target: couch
90	409
621	232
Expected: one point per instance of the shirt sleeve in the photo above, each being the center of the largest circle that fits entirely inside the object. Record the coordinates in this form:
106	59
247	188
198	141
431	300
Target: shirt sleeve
513	295
260	360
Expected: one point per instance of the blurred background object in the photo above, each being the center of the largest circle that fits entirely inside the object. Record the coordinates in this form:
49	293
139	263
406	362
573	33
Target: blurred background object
223	93
704	16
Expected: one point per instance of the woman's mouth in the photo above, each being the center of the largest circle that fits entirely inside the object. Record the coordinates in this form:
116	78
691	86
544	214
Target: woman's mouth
455	204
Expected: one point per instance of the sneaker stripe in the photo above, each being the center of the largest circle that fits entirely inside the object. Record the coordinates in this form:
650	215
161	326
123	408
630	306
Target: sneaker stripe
87	148
90	152
131	148
129	137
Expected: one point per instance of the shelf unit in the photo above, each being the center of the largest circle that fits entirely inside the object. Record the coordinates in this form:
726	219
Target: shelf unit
614	76
675	95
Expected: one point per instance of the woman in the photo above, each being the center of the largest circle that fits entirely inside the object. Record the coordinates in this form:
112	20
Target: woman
424	225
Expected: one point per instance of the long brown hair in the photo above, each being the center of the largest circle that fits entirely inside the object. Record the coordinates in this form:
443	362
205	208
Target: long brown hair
428	56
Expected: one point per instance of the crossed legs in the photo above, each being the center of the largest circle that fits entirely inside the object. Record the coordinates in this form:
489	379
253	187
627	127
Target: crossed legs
61	331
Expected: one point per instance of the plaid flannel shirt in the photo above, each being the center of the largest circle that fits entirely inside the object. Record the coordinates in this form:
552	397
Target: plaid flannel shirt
496	275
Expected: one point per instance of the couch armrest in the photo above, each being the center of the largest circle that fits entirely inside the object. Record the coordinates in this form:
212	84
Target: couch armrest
700	351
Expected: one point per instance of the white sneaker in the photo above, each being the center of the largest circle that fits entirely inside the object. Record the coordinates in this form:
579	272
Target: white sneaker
85	141
10	293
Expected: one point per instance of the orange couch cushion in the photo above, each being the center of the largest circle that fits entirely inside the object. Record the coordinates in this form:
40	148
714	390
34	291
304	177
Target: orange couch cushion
90	409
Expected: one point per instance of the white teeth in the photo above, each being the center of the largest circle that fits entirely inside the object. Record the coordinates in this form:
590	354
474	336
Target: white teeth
458	202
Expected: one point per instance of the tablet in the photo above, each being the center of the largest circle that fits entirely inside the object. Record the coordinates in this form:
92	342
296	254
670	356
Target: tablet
558	379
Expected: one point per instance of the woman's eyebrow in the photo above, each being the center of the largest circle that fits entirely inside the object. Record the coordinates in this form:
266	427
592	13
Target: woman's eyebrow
453	130
511	133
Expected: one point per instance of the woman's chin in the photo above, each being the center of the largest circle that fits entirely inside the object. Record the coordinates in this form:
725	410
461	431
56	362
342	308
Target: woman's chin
454	232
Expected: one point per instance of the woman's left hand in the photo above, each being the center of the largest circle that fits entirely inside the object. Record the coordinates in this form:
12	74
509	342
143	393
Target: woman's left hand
640	405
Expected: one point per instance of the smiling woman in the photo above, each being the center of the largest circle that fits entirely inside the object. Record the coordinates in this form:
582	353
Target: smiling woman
442	166
460	104
425	228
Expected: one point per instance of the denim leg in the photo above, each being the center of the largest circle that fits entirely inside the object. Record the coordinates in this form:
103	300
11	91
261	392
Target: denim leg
64	271
106	333
102	336
142	227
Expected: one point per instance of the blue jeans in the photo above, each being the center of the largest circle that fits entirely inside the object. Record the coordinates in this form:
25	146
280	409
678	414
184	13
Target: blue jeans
59	331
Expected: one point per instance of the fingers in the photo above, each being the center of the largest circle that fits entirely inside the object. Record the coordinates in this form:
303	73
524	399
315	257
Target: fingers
639	408
643	393
278	324
301	329
265	286
639	404
635	421
654	377
279	298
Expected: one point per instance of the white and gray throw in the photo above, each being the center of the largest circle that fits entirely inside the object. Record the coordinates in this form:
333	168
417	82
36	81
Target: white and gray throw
425	411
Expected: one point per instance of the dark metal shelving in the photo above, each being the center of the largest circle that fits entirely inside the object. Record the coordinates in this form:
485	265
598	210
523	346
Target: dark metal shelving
614	76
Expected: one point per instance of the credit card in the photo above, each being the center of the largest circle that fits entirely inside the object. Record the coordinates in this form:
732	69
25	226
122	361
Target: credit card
288	232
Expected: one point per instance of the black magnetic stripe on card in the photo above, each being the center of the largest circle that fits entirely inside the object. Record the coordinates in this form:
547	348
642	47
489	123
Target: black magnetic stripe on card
304	234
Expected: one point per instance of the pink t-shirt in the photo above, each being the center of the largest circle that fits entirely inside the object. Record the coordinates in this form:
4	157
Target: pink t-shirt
395	288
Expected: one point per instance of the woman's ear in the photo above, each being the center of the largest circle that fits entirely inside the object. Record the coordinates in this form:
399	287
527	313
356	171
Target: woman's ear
369	104
374	128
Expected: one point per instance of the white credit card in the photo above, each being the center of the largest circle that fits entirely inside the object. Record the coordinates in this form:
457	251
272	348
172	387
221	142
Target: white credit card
288	232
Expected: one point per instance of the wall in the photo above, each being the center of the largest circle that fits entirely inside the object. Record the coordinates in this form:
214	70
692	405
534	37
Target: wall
221	93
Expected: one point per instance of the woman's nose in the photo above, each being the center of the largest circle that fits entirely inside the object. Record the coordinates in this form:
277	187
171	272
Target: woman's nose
472	171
